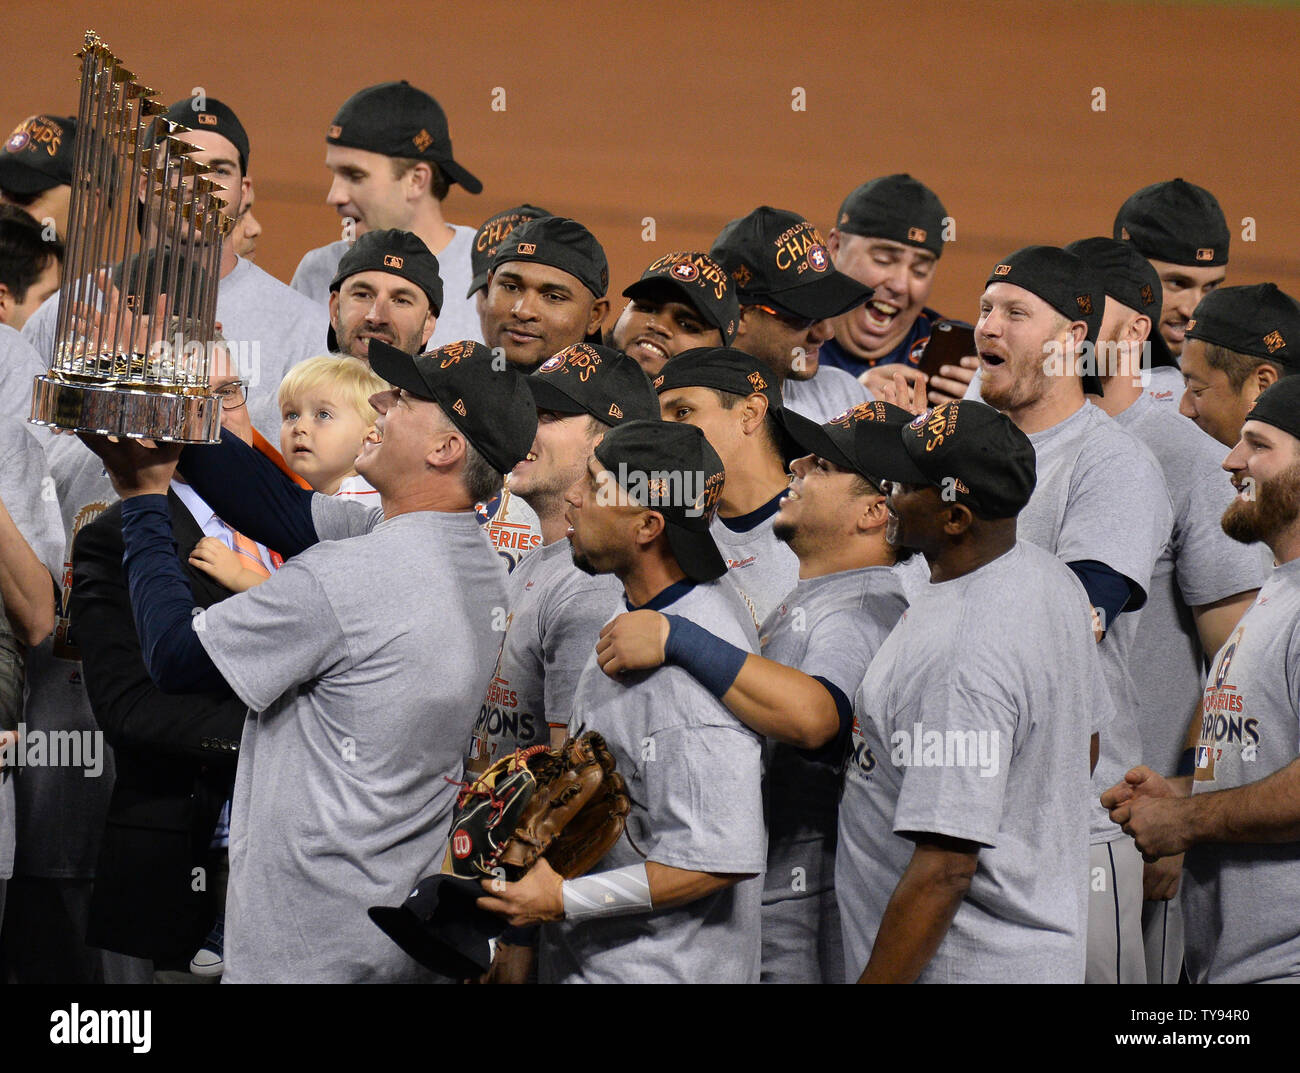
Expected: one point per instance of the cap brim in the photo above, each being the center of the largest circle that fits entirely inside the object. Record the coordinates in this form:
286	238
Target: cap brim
17	178
695	552
476	284
890	460
454	940
813	438
456	174
398	368
828	296
549	396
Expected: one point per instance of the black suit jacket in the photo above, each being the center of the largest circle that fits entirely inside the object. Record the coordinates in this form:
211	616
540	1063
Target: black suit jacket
175	757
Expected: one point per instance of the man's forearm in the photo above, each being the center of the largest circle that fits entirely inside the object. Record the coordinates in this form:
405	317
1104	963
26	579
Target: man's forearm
26	586
1263	811
919	914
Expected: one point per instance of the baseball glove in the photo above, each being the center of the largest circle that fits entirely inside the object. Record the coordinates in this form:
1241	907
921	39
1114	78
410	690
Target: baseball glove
567	804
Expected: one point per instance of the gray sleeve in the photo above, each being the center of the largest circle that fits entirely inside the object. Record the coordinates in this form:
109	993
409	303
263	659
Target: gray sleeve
307	278
703	789
40	326
1210	565
274	637
1118	513
569	631
340	517
962	798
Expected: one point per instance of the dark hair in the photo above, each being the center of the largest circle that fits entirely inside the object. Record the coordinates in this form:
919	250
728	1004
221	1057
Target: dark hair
14	198
438	184
1235	366
24	252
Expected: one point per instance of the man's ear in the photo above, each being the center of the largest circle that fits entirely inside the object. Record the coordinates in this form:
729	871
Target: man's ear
417	181
1266	376
599	311
448	448
873	513
833	243
7	303
426	333
755	410
958	518
649	525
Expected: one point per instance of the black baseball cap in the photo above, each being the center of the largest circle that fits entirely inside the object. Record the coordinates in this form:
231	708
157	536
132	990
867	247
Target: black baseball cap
1279	405
895	207
487	400
1131	280
37	156
1175	221
838	440
561	243
586	378
1259	320
723	368
1062	280
396	119
967	446
702	283
489	237
399	253
215	118
671	468
441	926
779	258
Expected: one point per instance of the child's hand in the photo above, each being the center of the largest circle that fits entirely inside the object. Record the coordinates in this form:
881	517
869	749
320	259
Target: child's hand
217	561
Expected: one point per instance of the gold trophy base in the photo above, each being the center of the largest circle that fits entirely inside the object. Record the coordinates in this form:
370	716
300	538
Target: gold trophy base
134	413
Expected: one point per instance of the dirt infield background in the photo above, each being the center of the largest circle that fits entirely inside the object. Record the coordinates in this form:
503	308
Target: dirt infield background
682	111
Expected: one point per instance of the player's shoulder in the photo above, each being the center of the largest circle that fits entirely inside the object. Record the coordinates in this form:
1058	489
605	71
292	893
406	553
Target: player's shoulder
288	301
323	258
1105	444
15	346
718	608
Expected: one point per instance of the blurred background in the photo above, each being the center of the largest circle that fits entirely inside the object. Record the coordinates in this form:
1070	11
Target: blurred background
682	112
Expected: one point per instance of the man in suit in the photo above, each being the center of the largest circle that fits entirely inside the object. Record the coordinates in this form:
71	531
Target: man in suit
161	876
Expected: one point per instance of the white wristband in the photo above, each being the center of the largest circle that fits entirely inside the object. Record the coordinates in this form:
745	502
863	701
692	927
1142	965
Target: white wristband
607	894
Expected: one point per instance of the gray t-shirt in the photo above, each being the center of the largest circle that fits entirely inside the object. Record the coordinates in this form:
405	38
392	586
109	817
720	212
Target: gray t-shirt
19	366
512	526
27	492
363	662
1239	901
962	728
829	627
1101	496
269	328
555	615
762	568
61	811
459	316
828	394
1201	564
693	772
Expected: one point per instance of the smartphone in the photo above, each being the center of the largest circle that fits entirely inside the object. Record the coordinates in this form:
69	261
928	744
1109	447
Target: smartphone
949	342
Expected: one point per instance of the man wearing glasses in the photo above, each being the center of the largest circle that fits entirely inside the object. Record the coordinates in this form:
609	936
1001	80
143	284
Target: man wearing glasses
789	290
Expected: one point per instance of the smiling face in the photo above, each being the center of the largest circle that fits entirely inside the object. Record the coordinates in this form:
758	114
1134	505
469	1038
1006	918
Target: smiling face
601	526
533	311
656	326
321	436
1183	286
1265	468
559	456
901	277
402	439
1012	335
1209	398
824	507
787	345
379	305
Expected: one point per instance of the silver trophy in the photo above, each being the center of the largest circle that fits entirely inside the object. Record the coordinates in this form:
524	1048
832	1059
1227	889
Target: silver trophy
142	261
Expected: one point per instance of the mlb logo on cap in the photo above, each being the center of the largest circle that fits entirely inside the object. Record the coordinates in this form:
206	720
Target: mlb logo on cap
335	131
916	234
527	248
207	119
1002	270
1204	254
391	260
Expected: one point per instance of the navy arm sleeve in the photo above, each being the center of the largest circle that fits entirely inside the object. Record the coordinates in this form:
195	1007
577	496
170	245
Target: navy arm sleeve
247	490
1107	589
162	602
